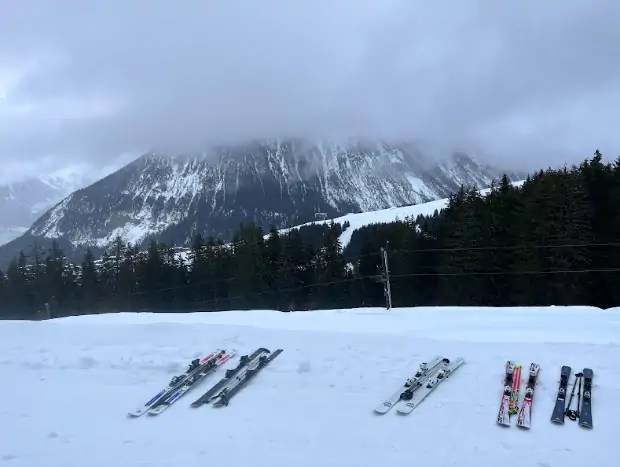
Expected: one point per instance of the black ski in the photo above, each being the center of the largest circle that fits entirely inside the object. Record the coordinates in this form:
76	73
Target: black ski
224	396
585	415
560	403
244	360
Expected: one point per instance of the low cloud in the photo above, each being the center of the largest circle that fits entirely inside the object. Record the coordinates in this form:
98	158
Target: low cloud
528	83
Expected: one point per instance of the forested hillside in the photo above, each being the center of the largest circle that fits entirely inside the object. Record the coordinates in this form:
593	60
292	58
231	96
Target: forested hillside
554	240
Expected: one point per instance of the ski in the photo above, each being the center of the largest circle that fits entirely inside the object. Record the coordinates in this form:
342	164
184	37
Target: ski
524	420
560	403
410	385
503	416
240	380
174	384
206	369
446	370
585	415
244	360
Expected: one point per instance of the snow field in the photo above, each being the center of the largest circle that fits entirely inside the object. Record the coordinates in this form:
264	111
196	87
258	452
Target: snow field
383	216
68	384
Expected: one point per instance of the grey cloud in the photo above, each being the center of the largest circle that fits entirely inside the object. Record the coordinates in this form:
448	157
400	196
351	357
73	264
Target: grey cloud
525	81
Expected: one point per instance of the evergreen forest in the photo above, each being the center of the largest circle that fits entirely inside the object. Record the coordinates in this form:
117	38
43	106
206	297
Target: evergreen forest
555	240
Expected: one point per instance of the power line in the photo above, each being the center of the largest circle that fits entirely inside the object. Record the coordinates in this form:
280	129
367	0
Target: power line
506	247
507	273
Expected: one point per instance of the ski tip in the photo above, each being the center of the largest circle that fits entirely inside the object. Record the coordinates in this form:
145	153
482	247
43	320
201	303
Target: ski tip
458	361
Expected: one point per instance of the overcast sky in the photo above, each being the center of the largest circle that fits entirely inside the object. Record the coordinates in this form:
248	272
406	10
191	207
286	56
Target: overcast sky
532	81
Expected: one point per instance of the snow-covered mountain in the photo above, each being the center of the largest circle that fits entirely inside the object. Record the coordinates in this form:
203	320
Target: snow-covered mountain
24	201
77	378
281	183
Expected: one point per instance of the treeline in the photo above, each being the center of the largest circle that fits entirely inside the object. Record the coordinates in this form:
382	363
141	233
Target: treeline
554	240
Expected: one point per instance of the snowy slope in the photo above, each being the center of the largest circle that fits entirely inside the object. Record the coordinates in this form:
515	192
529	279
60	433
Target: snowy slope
384	216
68	384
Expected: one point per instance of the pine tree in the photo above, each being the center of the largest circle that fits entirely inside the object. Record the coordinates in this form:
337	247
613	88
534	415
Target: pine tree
4	311
330	270
90	293
250	271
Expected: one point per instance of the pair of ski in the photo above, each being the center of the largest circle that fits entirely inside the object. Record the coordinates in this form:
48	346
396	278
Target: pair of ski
417	388
510	398
181	384
236	378
583	412
220	394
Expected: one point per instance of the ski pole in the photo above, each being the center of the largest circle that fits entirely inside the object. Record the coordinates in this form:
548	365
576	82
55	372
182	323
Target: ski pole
571	413
579	396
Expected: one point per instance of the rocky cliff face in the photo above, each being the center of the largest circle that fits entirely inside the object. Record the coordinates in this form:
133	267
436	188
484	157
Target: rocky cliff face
279	183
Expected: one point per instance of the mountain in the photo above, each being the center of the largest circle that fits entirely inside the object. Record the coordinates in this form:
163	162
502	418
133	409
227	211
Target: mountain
24	201
279	183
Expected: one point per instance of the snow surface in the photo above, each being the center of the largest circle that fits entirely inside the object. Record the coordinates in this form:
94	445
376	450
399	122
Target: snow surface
68	384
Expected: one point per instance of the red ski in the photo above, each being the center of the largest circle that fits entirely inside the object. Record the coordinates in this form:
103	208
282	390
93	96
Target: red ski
525	415
503	417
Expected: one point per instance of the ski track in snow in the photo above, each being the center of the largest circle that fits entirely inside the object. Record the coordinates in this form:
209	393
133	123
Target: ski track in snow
68	384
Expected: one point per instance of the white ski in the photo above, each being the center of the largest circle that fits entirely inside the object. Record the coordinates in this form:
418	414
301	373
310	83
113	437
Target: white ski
411	384
444	373
189	383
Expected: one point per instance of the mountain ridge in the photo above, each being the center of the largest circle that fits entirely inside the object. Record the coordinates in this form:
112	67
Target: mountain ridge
272	182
